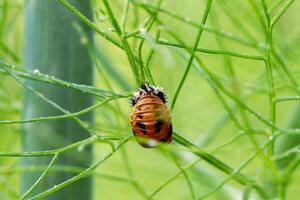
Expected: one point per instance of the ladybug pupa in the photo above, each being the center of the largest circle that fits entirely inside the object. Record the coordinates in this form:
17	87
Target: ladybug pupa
150	118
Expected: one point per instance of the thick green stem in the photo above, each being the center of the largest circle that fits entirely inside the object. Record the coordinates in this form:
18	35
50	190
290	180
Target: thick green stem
288	142
285	157
54	46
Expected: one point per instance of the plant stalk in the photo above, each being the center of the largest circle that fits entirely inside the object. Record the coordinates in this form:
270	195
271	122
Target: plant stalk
54	46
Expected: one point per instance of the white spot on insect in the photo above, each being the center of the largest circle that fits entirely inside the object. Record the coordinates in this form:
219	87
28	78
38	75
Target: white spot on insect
158	89
151	143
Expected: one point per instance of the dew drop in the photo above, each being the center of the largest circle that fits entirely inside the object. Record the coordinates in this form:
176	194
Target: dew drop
297	130
230	34
161	27
143	31
270	137
83	40
36	71
103	18
262	45
80	148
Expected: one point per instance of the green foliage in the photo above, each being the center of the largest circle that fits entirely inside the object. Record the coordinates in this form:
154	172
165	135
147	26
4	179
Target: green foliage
230	71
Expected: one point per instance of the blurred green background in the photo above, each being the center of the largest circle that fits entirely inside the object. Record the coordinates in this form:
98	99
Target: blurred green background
199	115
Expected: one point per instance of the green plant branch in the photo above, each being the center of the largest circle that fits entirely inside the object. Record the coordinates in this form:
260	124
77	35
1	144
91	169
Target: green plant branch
193	163
258	14
41	96
274	6
283	65
145	67
9	52
219	85
291	151
84	142
31	189
218	94
287	146
206	50
93	26
272	95
38	76
227	108
226	34
182	170
61	168
118	111
133	181
237	22
214	51
124	15
90	23
125	43
158	189
150	56
216	81
58	117
221	33
281	12
236	171
231	72
198	37
287	98
240	178
80	175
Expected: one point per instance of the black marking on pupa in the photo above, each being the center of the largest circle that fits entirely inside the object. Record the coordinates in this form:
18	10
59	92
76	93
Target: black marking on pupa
158	126
169	136
148	89
162	96
140	116
142	127
132	100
